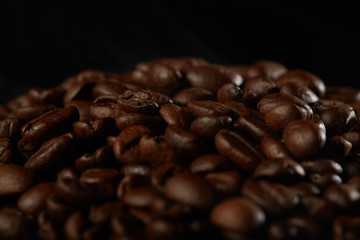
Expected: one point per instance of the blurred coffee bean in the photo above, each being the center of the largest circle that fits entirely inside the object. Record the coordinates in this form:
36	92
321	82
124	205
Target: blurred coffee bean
342	195
273	149
164	171
299	90
15	179
346	228
106	88
321	166
238	214
207	126
337	147
187	95
207	107
13	225
324	180
252	128
318	208
229	92
32	201
52	96
96	130
303	189
210	163
227	182
354	139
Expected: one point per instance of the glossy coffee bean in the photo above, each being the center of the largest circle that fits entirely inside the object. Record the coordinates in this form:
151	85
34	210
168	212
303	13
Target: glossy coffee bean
173	115
237	149
337	147
238	214
229	92
257	88
303	138
206	127
267	68
187	95
227	182
252	128
324	180
210	163
15	179
190	189
207	107
273	149
106	88
96	130
102	157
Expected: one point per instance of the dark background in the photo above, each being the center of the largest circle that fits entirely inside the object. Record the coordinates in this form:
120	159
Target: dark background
43	42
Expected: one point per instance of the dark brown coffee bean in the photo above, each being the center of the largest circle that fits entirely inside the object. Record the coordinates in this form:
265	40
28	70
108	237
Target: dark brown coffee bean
303	189
305	78
15	179
337	117
267	68
324	180
47	126
318	208
193	94
126	226
346	228
344	94
53	154
354	139
106	106
191	190
32	201
351	166
252	128
163	229
164	171
102	157
337	147
99	176
238	214
207	107
126	148
125	120
184	141
57	210
283	170
280	109
106	88
101	214
299	90
273	149
13	225
228	182
96	130
173	115
274	198
210	163
74	226
131	181
237	149
355	182
43	96
238	108
257	88
83	106
342	195
303	138
140	196
26	114
206	127
19	102
137	169
229	92
321	166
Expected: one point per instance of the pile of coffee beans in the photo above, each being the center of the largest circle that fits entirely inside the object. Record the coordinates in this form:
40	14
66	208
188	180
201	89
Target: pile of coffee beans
180	148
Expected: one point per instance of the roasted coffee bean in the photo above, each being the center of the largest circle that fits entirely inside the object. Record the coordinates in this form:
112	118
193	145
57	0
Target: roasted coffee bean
228	182
185	141
342	195
187	95
337	147
32	201
354	139
173	115
273	149
53	154
14	225
256	88
267	68
107	88
74	226
80	90
355	182
96	130
274	198
238	108
318	208
296	227
337	116
106	106
303	189
210	163
283	170
303	138
102	213
207	107
83	106
299	90
190	189
279	109
237	149
47	126
19	102
321	166
125	150
164	171
125	120
324	180
131	181
52	96
98	176
26	114
102	157
351	166
304	78
157	151
252	128
346	228
137	169
15	179
206	127
140	196
126	226
57	209
344	94
229	92
238	214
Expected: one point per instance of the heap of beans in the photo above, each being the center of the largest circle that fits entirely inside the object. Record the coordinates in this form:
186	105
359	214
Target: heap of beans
180	148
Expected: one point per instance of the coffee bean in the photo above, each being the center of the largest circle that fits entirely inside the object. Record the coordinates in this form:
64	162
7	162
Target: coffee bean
15	179
267	68
273	149
228	182
354	139
210	163
299	90
274	198
337	147
324	180
318	208
346	227
342	195
303	189
96	130
13	225
190	189
33	200
125	120
52	96
164	171
237	149
206	127
355	182
83	106
257	88
252	128
303	138
173	115
238	214
187	95
207	107
229	92
321	166
107	88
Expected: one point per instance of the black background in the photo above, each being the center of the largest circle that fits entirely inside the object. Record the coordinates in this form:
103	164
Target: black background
43	42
